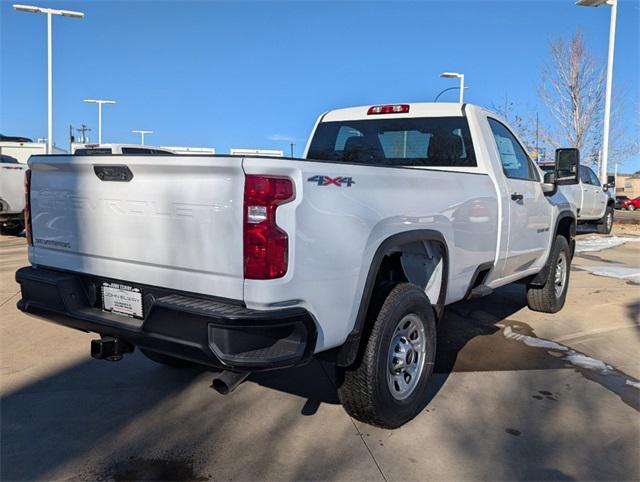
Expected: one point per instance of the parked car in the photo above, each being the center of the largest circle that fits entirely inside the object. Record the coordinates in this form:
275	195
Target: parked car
350	253
11	194
620	200
14	153
594	202
631	204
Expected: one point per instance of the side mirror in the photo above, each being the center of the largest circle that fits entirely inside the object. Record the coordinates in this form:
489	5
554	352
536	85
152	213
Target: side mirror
605	188
549	183
567	166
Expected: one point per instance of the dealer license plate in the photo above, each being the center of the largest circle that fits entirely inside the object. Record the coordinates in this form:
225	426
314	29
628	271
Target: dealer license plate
122	299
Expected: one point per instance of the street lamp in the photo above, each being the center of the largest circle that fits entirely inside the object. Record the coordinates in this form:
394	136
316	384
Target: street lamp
99	102
142	133
607	95
49	12
452	75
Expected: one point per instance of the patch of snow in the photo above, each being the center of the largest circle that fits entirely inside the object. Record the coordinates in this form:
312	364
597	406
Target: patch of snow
619	272
633	384
533	341
584	361
598	243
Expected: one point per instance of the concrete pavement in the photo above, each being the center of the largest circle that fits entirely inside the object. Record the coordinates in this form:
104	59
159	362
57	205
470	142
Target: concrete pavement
507	401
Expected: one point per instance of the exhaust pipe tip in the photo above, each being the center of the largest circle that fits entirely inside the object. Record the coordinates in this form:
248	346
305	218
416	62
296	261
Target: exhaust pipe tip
228	381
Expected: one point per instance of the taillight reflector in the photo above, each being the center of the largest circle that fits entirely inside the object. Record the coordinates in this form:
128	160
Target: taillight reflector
266	245
388	109
27	206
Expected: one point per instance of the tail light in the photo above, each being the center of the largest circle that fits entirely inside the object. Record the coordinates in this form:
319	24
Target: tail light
388	109
266	246
27	206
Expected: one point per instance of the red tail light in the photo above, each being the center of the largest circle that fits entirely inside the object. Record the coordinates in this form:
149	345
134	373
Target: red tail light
388	109
27	206
266	246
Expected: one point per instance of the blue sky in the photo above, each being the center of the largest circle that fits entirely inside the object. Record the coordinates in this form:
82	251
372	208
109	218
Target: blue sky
257	74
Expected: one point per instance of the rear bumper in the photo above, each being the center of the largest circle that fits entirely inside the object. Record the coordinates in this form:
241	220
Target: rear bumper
188	326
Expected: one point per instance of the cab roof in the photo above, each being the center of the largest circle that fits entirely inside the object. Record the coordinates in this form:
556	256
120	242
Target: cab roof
416	109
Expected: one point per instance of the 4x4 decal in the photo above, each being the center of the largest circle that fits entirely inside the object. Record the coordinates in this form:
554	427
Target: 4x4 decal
328	181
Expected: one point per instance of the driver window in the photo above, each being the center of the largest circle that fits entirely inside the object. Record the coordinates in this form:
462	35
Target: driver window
515	161
594	179
584	175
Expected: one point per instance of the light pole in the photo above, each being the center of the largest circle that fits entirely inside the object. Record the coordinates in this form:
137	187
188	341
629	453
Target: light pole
50	12
446	90
607	95
99	102
453	75
142	133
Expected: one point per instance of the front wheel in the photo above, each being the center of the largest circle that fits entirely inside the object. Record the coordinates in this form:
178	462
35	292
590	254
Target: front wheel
606	223
387	385
631	207
550	297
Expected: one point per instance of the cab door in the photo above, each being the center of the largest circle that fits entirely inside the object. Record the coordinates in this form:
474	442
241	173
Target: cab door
527	208
598	197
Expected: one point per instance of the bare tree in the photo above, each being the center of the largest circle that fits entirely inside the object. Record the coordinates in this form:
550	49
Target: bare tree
571	87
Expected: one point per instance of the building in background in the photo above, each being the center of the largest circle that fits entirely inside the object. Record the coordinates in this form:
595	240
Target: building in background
256	152
21	148
628	185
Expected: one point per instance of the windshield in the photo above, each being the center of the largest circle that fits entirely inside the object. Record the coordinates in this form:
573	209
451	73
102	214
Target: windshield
428	141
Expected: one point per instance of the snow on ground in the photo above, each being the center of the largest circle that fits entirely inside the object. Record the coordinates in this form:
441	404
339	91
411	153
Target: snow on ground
568	355
598	243
629	274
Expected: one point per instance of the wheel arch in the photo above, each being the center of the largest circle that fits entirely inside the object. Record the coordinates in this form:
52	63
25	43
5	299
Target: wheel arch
566	227
390	247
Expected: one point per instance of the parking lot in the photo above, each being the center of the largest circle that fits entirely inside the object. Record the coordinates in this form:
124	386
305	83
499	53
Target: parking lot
516	395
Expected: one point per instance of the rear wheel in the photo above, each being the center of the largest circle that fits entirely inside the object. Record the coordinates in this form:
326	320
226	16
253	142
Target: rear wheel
13	228
550	297
606	223
165	359
631	207
387	386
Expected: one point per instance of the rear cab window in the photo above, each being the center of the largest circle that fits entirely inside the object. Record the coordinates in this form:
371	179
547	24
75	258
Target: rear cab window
98	151
408	141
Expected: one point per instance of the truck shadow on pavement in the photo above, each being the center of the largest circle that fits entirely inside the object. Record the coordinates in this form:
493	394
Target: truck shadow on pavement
138	421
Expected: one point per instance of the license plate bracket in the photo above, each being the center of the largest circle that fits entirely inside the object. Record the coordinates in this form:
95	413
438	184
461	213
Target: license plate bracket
122	300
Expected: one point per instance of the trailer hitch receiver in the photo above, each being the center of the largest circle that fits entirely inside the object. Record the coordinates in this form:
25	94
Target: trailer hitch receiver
110	348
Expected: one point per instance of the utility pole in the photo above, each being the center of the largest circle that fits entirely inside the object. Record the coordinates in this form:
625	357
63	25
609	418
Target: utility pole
71	138
537	144
84	139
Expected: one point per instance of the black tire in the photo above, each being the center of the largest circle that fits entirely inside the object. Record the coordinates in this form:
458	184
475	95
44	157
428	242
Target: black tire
166	359
12	229
546	298
631	207
365	391
606	223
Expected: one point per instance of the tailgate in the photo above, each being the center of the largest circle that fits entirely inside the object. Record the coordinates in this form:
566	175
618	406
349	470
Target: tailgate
177	223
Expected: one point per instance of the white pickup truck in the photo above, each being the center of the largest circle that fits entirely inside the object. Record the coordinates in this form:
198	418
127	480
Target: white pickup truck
595	203
350	253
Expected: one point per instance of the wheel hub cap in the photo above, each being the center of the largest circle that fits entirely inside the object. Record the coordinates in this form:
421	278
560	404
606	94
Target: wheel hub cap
560	277
406	357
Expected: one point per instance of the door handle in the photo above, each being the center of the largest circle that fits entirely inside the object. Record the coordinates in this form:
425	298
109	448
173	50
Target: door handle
517	197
